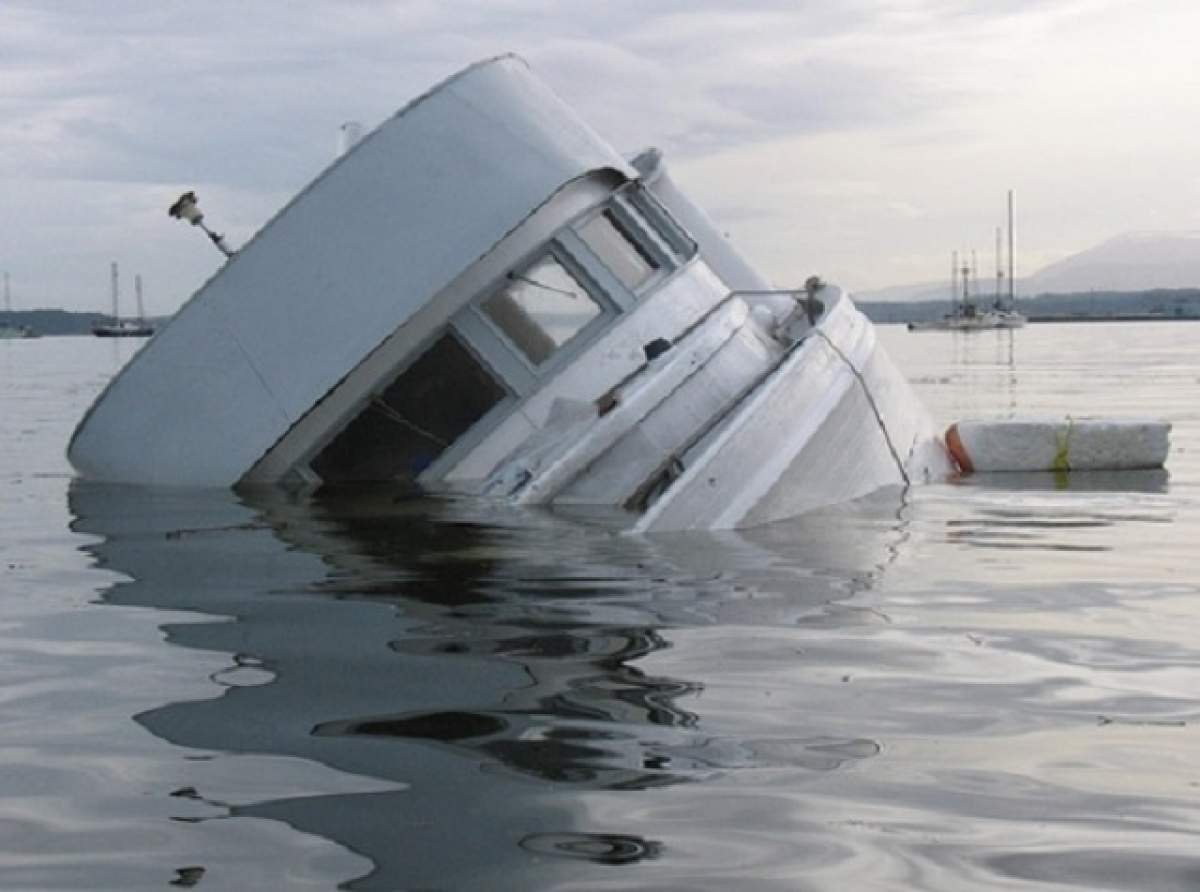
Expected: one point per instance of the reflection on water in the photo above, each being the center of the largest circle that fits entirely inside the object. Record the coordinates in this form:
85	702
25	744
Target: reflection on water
988	684
549	700
455	651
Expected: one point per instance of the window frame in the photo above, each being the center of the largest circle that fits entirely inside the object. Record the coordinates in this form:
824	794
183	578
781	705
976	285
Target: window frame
663	229
629	228
463	443
479	326
642	220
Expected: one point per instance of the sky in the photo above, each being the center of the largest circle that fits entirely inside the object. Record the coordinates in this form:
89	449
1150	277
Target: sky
859	141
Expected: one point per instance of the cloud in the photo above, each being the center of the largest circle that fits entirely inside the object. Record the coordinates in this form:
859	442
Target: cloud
864	112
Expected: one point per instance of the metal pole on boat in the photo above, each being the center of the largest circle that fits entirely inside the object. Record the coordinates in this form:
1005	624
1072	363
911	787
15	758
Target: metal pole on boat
349	135
186	209
115	314
953	281
137	290
999	270
1011	280
966	281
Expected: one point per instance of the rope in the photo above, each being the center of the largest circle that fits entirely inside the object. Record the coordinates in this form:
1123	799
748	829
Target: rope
395	416
871	402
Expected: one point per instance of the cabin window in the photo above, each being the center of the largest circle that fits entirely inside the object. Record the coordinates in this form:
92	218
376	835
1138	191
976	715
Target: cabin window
665	227
618	249
541	308
404	429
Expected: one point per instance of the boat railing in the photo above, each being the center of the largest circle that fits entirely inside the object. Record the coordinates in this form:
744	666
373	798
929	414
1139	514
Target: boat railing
805	296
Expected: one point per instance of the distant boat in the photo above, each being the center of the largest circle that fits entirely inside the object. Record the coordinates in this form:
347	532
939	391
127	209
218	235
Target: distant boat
124	328
964	314
9	331
967	317
15	332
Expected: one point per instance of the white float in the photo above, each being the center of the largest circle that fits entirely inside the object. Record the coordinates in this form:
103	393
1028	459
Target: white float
1061	444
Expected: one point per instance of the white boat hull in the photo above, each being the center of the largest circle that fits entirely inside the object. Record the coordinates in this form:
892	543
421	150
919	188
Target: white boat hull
734	429
835	422
989	321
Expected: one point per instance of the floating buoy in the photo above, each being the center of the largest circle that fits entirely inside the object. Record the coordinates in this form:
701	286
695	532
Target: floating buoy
1067	444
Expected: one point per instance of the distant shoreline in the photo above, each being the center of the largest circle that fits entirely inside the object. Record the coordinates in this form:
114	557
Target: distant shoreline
1123	317
1155	305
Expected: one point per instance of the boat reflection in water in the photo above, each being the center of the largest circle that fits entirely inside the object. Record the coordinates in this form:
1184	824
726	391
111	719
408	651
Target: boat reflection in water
495	666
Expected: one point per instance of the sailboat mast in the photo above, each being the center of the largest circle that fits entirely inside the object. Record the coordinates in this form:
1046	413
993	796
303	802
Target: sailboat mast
999	270
137	290
953	281
1011	298
115	313
7	295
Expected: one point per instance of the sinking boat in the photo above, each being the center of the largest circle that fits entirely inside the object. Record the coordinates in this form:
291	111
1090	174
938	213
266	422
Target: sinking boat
482	295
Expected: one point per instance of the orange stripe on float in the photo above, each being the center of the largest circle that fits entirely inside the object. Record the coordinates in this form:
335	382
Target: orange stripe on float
957	450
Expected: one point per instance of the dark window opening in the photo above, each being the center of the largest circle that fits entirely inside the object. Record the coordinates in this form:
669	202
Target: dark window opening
403	430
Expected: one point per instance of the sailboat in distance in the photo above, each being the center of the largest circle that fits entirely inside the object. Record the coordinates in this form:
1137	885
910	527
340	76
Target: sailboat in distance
124	328
965	314
8	329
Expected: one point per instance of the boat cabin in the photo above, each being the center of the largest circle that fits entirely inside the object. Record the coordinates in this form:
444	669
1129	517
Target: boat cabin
480	367
482	295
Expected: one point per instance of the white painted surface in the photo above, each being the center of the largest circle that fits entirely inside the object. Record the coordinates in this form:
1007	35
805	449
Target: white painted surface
1063	444
808	437
337	271
679	303
341	286
346	399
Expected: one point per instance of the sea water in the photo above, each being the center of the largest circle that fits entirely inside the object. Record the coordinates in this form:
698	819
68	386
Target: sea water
986	684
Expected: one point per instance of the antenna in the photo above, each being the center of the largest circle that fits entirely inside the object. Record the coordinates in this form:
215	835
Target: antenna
115	313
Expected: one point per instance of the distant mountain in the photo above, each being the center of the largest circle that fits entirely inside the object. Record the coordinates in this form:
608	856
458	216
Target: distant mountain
920	291
1136	261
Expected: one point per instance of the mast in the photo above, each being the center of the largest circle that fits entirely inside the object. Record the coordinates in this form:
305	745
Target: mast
999	269
137	290
7	294
1011	298
966	282
115	313
953	281
975	273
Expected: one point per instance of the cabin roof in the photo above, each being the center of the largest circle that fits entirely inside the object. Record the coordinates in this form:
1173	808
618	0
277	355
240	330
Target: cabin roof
346	262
